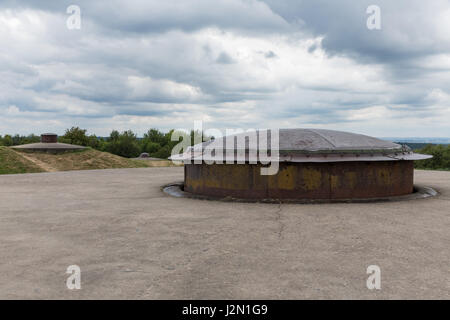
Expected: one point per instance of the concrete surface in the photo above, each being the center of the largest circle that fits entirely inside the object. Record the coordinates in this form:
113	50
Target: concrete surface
48	146
133	241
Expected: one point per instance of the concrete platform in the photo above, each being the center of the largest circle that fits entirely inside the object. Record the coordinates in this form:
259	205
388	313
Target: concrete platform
132	241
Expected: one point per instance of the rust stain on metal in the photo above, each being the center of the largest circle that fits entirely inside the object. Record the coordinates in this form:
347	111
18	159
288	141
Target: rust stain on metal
334	182
340	180
49	138
312	178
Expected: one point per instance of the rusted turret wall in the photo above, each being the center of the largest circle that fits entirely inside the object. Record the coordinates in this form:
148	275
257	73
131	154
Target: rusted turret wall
49	138
332	180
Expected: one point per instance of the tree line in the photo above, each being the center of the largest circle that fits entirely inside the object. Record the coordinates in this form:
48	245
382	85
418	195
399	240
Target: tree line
126	144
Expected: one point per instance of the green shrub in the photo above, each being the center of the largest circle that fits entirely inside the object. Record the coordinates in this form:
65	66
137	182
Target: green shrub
440	160
123	144
75	135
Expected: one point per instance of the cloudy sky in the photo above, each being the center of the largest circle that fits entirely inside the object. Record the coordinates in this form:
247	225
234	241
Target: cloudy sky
138	64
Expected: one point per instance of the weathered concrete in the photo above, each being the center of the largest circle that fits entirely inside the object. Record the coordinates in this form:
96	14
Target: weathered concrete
133	241
48	147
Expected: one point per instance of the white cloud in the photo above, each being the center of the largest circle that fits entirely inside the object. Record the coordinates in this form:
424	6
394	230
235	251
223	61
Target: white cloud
370	113
12	111
234	63
146	87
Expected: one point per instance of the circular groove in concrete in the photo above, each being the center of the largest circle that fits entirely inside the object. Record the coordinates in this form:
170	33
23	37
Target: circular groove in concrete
420	192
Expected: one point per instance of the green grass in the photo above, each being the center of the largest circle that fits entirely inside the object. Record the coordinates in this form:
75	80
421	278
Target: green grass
88	159
16	161
11	163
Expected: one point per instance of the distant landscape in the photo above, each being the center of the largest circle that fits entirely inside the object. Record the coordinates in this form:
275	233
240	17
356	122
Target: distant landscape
126	144
119	149
439	148
419	143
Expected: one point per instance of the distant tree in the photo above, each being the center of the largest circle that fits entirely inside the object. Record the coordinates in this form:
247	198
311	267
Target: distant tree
16	139
8	141
153	141
160	145
32	138
162	153
102	144
93	141
77	136
114	136
150	147
124	144
154	135
157	143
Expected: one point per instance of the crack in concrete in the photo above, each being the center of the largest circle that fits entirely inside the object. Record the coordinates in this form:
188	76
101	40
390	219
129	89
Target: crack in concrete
278	219
135	271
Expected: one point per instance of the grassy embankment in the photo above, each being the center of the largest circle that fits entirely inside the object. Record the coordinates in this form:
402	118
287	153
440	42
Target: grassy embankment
12	161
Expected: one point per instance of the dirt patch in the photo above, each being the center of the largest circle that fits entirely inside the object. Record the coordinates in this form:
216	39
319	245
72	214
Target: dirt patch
44	166
80	160
15	161
12	162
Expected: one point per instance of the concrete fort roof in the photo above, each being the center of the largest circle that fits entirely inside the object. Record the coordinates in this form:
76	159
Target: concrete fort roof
124	232
48	147
309	145
49	143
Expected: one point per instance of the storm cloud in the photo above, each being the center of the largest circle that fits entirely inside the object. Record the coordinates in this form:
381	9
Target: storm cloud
231	63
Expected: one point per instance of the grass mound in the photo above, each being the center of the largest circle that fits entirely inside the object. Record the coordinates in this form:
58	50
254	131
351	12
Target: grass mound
88	159
13	161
